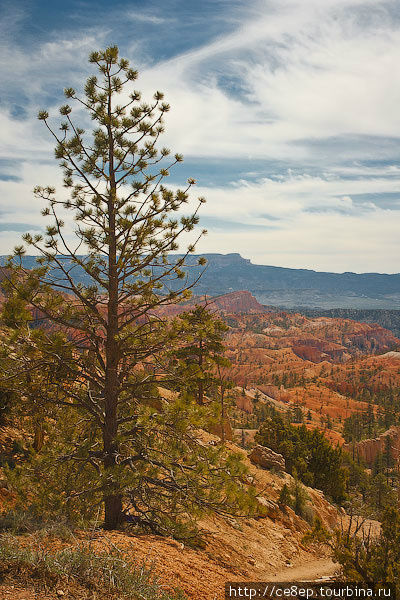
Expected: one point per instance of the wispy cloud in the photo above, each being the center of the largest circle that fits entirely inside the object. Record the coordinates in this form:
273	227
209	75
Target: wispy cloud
298	96
148	18
308	71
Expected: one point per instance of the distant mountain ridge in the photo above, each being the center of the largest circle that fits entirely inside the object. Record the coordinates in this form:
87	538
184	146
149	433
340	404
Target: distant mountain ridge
289	288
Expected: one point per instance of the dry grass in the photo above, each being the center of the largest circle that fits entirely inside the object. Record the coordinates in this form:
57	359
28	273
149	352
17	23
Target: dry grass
82	568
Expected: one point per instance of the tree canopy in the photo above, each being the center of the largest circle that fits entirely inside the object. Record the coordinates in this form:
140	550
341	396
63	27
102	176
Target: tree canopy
307	453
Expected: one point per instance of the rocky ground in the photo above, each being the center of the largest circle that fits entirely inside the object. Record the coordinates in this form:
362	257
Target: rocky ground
240	549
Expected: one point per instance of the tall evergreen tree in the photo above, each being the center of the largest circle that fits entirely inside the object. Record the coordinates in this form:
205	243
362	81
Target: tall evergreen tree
105	334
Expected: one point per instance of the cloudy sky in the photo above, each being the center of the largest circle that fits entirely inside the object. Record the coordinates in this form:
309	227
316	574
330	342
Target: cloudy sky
287	113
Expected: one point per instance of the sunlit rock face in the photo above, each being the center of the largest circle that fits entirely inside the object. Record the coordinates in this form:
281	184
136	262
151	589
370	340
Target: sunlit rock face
369	449
267	458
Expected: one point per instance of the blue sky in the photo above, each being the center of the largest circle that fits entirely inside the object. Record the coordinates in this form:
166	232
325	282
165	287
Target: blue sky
287	113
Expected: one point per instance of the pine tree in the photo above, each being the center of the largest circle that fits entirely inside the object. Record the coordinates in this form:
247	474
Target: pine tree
285	497
195	363
198	367
365	557
387	457
103	331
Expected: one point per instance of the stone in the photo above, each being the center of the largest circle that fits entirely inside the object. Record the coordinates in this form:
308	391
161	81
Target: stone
272	508
266	458
233	523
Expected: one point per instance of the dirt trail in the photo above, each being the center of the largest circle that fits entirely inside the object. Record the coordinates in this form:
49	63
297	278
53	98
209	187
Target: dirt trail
306	572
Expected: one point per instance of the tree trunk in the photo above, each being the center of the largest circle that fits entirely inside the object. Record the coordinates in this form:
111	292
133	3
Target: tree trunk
222	414
38	438
113	515
112	497
200	391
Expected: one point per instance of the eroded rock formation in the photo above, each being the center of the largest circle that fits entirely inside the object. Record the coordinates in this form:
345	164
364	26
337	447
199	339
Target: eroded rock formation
267	458
369	449
237	302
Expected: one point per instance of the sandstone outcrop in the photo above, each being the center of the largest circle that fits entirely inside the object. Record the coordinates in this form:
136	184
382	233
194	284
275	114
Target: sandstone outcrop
271	508
237	302
319	350
369	449
266	458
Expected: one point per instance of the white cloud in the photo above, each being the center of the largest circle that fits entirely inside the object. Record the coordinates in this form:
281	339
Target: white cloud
295	81
308	70
319	242
309	223
147	18
291	196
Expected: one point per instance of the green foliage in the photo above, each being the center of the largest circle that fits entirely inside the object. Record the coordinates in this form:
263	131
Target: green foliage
194	363
11	455
357	477
364	556
285	497
370	493
172	478
194	477
14	312
198	368
297	498
307	453
47	483
380	493
360	425
318	534
300	497
261	412
296	414
300	501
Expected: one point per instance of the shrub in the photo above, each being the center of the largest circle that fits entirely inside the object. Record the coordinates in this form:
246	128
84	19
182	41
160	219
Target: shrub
300	498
